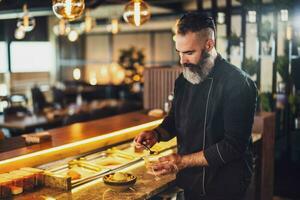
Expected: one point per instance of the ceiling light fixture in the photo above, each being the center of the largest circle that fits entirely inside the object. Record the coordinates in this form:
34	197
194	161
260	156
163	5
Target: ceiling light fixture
252	16
284	15
26	22
89	22
221	18
137	12
73	35
62	28
19	33
113	27
68	9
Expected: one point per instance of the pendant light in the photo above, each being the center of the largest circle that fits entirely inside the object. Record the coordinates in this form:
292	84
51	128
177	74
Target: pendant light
26	22
113	27
89	22
19	34
136	12
68	9
62	28
73	35
252	16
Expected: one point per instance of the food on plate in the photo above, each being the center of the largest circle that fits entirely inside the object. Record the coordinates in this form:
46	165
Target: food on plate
156	113
74	174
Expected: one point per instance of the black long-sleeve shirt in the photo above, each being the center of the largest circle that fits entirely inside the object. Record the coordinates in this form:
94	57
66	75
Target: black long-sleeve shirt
215	116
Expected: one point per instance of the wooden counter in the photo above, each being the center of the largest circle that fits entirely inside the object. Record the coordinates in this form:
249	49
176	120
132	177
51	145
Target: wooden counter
77	139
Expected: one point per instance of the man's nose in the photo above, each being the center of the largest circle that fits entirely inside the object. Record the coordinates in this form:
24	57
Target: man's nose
183	59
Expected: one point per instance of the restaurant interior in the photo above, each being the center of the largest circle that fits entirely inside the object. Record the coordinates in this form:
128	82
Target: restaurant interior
79	79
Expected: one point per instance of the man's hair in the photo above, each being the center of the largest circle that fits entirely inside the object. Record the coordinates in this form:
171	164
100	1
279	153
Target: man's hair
195	22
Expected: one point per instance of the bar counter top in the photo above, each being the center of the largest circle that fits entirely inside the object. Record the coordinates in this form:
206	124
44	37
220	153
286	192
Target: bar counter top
78	138
146	186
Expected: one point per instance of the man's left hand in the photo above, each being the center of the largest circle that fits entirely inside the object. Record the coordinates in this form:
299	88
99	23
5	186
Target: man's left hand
168	164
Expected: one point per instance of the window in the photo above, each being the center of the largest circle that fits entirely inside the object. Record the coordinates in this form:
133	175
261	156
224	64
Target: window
31	56
3	57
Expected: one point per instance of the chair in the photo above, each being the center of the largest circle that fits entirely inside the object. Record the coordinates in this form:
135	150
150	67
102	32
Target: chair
59	97
16	105
39	100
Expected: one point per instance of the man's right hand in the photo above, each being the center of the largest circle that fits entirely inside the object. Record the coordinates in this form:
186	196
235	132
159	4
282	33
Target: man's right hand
148	138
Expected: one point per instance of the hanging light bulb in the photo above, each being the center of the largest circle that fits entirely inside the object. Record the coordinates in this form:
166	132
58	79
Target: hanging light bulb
221	18
252	16
88	23
113	27
76	73
137	12
19	33
68	9
62	28
26	22
73	35
289	32
284	15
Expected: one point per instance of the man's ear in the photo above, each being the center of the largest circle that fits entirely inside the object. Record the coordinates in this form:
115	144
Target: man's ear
209	44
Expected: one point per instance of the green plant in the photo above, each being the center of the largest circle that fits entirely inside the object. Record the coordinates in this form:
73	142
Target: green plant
250	4
282	64
265	101
294	101
234	39
266	31
284	3
250	66
132	60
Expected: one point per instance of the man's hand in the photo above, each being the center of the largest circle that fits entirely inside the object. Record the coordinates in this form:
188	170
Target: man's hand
175	162
168	164
147	138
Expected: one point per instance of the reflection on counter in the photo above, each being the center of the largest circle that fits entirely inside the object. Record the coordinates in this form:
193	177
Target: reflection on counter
86	168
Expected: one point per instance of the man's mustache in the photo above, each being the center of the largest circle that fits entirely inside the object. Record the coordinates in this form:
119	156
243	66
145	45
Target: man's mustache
189	65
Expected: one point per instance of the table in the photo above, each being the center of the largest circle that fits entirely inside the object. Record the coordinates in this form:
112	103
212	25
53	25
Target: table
54	118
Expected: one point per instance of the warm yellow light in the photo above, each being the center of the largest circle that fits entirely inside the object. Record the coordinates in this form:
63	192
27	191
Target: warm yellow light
19	33
136	78
62	28
76	74
289	33
105	140
89	22
68	9
137	12
104	77
73	35
27	23
93	78
114	26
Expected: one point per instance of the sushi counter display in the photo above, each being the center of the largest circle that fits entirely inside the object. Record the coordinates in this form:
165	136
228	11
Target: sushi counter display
111	166
107	161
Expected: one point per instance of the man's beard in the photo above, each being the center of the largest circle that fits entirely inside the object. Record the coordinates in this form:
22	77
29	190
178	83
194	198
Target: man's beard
196	73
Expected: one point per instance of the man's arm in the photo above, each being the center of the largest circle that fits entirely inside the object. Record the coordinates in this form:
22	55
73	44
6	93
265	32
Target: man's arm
239	108
175	162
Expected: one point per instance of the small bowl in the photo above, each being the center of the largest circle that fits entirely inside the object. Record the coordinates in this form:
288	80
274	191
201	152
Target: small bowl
119	185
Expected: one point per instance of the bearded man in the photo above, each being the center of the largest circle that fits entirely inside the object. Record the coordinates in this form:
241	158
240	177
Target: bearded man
211	115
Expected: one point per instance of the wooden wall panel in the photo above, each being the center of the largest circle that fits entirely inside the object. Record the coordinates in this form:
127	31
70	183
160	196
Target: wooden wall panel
23	82
158	84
